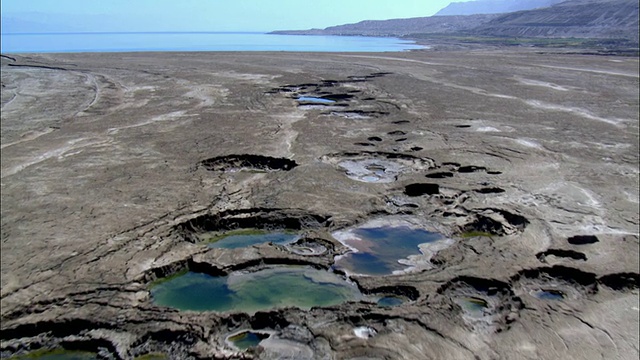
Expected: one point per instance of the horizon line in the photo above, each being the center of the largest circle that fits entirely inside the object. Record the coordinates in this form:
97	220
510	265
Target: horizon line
135	32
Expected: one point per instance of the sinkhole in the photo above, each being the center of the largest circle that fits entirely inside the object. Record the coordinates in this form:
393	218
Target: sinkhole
313	99
473	306
372	170
381	249
247	237
390	301
247	339
275	287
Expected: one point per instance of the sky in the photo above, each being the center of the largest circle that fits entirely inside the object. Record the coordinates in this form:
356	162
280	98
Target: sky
202	15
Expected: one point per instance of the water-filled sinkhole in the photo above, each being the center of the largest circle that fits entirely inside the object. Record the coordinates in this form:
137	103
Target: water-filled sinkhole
378	250
472	305
275	287
313	99
248	237
549	294
247	339
390	301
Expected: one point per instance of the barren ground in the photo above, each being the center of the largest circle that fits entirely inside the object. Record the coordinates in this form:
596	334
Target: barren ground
113	163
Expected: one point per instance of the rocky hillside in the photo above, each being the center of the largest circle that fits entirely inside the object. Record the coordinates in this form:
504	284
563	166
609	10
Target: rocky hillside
595	19
401	27
493	6
573	18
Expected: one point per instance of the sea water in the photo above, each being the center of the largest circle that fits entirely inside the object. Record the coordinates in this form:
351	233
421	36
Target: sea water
196	41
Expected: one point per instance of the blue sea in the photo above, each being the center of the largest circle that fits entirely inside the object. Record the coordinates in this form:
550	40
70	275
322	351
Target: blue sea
196	41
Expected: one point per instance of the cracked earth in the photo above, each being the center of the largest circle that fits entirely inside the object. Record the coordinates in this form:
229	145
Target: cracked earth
115	165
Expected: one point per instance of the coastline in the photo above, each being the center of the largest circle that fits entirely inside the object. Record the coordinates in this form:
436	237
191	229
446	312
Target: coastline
110	42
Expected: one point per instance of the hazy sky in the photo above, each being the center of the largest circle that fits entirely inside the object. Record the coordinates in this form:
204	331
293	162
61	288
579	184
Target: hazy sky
210	15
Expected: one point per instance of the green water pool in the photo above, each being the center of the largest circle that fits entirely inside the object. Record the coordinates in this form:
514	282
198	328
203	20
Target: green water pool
472	305
247	339
297	286
248	237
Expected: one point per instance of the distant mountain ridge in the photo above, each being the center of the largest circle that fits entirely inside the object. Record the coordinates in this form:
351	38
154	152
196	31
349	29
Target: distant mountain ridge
493	6
573	18
590	19
400	27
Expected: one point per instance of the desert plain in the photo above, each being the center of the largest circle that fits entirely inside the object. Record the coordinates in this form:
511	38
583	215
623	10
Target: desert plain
526	162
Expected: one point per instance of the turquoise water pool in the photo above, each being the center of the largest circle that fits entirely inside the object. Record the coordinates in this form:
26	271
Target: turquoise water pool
296	286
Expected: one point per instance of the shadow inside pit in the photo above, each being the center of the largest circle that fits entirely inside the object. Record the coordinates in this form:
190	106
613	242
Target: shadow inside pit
231	163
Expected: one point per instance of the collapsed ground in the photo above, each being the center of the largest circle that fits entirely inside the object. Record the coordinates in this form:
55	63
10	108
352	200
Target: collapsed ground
112	164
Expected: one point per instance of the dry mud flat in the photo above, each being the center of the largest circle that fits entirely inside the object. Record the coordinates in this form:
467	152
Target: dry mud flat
114	165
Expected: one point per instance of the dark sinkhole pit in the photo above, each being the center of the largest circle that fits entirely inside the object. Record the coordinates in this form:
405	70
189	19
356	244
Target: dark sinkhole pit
247	237
549	283
379	250
248	292
471	168
489	190
421	189
233	163
440	175
486	222
575	255
582	240
247	339
252	221
330	83
337	97
621	281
